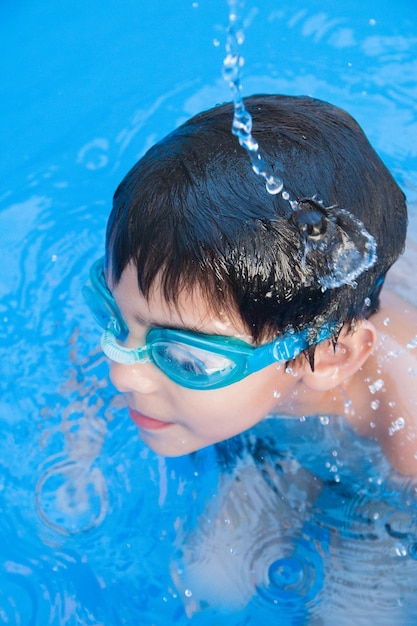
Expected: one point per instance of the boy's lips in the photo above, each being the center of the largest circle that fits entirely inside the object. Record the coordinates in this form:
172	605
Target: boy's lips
148	423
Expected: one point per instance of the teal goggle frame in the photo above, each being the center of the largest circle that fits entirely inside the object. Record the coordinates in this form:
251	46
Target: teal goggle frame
193	360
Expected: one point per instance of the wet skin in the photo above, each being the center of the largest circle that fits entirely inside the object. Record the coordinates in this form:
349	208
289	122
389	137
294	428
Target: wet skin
174	420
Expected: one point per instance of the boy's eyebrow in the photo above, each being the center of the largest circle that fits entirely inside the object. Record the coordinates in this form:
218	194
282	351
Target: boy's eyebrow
151	324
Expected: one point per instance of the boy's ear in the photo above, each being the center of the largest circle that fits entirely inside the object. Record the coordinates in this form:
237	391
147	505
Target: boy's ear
334	365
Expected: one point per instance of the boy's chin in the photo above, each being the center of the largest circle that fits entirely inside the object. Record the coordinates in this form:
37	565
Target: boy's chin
174	449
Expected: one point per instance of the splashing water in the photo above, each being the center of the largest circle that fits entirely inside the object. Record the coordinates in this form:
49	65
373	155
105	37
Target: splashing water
242	119
346	247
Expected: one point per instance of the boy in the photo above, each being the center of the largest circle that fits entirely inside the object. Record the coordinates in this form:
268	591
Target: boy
216	318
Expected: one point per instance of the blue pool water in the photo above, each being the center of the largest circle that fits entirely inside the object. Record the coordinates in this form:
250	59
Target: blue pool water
95	528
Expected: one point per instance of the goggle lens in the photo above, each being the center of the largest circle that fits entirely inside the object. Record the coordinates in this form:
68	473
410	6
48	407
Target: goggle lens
187	364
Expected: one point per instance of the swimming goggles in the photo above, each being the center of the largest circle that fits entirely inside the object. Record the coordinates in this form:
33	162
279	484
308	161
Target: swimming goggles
193	360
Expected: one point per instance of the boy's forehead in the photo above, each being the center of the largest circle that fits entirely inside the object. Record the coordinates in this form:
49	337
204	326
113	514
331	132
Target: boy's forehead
191	311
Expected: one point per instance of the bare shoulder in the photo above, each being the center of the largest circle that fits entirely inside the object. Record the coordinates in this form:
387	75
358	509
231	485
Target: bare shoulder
394	363
397	317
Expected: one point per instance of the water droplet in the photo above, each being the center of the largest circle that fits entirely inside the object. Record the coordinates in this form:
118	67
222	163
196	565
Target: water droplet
387	321
240	37
372	424
400	550
367	302
396	425
348	407
376	386
188	593
375	405
412	344
285	195
324	419
274	186
277	394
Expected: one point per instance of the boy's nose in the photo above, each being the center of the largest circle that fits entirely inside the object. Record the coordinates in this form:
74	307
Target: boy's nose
139	377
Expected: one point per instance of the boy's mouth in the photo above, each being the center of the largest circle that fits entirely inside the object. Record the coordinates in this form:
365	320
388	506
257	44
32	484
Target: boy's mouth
148	423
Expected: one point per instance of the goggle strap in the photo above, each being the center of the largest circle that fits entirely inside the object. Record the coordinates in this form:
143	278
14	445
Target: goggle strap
120	354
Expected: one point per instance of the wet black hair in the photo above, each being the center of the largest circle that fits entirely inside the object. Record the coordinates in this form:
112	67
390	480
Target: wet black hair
192	213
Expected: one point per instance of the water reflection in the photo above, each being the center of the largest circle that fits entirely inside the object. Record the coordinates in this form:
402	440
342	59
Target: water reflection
119	535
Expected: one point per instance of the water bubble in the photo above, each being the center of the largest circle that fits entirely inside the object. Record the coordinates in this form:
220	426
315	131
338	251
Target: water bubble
277	394
367	302
324	419
188	593
387	321
375	405
285	195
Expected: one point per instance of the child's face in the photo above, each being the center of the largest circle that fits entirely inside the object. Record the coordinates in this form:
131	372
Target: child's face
172	419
